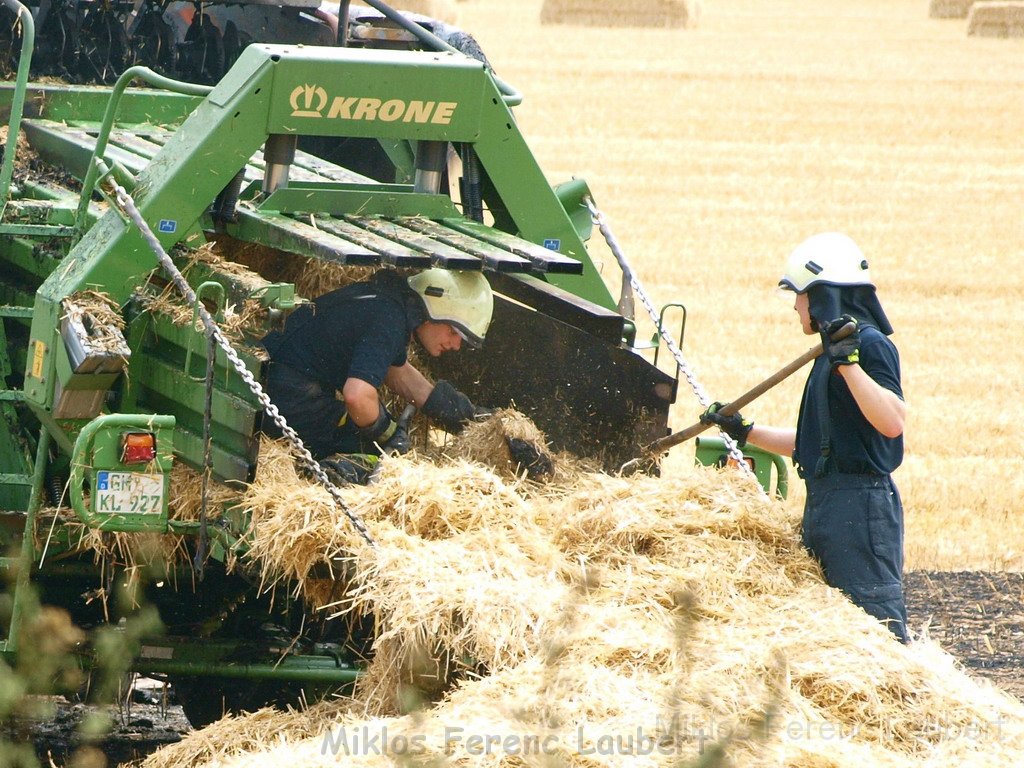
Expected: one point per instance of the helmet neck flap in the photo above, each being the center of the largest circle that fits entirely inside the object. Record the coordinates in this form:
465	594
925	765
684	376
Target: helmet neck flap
827	302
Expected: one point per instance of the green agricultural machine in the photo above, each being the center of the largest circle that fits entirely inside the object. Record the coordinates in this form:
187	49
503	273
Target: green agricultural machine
402	156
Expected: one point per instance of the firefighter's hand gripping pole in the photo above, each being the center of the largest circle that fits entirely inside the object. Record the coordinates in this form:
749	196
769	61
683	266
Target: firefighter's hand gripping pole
663	444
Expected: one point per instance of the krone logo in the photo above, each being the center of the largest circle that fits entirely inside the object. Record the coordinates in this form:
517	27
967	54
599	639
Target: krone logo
308	101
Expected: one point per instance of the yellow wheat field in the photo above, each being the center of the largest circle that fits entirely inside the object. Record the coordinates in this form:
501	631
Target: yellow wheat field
713	151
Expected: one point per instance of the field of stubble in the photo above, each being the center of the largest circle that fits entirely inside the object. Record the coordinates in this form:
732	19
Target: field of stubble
714	151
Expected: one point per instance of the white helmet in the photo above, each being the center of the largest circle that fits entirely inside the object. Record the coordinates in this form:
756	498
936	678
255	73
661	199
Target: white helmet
461	299
830	258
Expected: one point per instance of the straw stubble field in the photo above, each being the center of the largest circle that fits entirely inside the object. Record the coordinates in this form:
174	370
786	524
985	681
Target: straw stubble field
714	151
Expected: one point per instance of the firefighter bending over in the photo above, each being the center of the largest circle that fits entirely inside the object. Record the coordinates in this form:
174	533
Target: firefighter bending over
354	339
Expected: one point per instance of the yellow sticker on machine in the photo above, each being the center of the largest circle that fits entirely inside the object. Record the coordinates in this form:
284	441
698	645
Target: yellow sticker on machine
38	353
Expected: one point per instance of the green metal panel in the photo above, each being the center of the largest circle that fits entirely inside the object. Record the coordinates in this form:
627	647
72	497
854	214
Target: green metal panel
14	460
98	450
383	94
376	200
521	190
165	378
87	103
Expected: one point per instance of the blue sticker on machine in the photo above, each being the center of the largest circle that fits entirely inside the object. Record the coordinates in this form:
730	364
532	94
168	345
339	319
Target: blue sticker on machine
168	226
553	244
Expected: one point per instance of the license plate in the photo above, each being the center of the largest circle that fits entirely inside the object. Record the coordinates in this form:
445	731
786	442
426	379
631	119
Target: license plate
128	493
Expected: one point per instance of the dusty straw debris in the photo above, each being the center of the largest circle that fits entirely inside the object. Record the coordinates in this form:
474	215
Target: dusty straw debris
99	322
592	620
311	277
240	321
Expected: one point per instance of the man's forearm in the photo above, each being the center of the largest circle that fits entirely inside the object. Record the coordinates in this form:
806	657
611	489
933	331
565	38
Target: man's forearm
780	440
407	382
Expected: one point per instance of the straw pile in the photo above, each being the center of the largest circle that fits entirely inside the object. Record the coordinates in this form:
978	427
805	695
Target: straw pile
950	9
638	13
240	322
592	621
100	318
996	19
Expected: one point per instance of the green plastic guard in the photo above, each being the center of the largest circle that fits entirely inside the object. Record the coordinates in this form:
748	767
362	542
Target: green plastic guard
711	452
83	456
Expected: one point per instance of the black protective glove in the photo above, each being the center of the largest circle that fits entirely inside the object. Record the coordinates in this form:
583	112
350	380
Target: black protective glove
387	433
349	468
527	456
845	351
450	409
734	426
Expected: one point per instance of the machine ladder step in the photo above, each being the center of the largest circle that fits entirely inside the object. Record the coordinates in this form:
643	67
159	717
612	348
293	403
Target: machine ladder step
15	479
11	395
428	232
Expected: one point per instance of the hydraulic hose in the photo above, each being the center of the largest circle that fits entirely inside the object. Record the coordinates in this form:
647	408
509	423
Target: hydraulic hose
103	136
511	96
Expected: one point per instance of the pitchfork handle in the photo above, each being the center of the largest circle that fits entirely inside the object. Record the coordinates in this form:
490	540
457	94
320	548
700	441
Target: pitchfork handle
663	444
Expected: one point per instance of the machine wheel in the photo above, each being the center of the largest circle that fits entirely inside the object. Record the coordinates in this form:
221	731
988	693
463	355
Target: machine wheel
202	53
105	49
154	44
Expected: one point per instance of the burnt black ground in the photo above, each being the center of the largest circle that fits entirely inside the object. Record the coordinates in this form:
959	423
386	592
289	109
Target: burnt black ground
137	731
977	616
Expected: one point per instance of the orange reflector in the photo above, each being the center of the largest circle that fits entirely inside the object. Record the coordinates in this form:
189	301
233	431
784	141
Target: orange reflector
747	459
138	447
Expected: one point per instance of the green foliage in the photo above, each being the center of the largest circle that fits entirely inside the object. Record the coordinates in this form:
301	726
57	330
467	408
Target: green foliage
49	661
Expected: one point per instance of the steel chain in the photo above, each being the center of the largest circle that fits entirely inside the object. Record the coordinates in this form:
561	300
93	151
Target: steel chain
213	330
684	367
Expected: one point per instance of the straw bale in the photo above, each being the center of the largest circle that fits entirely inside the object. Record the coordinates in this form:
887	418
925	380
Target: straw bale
442	10
950	9
996	19
585	610
639	13
487	442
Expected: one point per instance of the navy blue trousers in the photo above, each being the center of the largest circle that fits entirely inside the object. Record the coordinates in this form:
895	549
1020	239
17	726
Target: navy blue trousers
317	415
853	525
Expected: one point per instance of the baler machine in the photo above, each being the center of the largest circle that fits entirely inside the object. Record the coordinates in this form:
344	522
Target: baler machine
106	411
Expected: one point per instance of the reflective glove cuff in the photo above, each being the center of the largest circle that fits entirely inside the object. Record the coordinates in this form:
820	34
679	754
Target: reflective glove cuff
381	430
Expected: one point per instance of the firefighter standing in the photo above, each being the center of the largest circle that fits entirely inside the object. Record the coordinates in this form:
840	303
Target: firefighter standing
849	434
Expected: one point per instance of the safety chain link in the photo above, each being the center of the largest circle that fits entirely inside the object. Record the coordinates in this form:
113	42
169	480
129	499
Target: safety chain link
213	330
684	367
